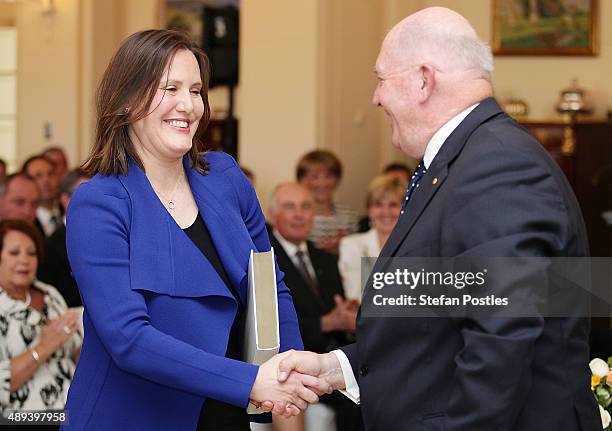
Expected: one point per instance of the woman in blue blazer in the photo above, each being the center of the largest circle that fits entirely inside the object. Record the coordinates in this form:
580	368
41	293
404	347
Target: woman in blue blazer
159	242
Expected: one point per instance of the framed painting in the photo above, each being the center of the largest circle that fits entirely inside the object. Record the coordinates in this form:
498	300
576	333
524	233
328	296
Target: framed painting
545	27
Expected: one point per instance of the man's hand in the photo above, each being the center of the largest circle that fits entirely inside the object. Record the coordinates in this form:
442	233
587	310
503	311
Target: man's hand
342	317
289	396
353	305
325	366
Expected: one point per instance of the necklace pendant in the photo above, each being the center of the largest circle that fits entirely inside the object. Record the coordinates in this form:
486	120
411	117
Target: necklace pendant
171	205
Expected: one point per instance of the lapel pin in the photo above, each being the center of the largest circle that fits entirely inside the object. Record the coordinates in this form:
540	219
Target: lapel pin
435	181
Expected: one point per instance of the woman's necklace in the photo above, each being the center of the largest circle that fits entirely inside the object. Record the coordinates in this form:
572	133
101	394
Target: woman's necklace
170	201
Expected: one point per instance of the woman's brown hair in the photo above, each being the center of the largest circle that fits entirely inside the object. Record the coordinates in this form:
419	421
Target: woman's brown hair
25	228
315	158
125	94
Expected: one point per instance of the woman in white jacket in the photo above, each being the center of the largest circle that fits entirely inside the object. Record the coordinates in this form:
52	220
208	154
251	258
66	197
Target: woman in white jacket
384	202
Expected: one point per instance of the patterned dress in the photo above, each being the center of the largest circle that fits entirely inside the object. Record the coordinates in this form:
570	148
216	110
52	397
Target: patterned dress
343	221
20	327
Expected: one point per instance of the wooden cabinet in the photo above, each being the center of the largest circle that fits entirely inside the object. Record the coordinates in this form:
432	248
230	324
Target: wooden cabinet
583	150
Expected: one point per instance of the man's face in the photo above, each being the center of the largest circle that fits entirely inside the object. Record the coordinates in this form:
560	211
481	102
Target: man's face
294	213
61	165
20	200
64	198
396	94
43	173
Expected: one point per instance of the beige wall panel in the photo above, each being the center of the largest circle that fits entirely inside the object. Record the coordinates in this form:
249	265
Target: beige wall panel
278	87
48	82
139	15
350	120
101	35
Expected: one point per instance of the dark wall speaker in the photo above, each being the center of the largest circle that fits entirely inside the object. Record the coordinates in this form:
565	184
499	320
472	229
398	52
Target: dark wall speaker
220	41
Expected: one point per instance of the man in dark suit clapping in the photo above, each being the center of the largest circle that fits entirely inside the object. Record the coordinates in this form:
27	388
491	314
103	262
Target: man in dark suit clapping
326	318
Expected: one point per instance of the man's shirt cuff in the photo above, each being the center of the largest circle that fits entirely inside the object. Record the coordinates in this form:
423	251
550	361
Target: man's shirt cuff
352	388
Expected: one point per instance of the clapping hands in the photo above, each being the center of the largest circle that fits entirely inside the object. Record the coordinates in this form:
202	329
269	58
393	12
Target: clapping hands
342	317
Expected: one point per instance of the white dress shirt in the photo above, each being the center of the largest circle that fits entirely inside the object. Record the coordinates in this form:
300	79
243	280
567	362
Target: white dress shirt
291	249
49	219
433	146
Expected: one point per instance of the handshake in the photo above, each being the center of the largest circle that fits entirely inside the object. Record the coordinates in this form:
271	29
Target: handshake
287	383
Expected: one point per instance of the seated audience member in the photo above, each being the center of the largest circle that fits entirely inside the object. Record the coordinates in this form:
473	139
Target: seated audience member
320	172
312	275
2	169
55	268
19	198
48	213
40	338
395	169
59	159
384	202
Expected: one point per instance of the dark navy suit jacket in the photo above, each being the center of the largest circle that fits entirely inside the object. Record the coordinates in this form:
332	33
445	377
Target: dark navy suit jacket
157	314
497	194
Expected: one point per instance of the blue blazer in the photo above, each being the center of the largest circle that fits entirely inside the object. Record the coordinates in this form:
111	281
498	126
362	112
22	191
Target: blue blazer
157	315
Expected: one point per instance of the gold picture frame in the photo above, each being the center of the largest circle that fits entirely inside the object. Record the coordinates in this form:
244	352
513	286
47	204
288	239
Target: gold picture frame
545	27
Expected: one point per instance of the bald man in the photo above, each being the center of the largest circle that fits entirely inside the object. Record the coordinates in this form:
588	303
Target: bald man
484	187
312	275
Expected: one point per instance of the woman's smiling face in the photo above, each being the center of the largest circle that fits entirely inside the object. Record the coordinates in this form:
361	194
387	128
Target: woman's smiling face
167	131
18	261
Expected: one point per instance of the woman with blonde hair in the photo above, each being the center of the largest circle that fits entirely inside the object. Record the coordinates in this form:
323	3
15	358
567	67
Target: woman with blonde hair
384	202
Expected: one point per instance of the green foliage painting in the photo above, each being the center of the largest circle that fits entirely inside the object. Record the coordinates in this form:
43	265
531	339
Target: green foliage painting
544	27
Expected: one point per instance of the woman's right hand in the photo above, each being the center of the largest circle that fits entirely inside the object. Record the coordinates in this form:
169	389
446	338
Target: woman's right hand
56	332
52	337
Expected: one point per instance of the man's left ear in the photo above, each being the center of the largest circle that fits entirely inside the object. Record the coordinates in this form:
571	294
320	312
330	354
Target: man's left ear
428	82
